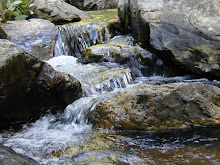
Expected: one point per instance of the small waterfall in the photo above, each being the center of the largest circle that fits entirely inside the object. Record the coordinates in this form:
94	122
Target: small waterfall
72	40
94	78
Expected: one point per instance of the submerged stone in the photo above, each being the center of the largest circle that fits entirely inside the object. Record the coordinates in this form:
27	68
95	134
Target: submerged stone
8	156
160	107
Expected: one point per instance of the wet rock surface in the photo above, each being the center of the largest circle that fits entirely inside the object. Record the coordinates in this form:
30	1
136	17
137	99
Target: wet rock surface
57	11
29	87
36	36
188	29
122	50
161	107
8	156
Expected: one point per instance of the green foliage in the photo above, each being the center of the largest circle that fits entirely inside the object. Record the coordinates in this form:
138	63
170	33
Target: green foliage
15	9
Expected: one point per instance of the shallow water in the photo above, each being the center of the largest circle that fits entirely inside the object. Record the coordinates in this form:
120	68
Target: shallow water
69	138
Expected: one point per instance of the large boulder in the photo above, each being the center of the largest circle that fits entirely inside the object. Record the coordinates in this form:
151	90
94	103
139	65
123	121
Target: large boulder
8	156
57	11
94	4
28	87
161	107
187	29
36	36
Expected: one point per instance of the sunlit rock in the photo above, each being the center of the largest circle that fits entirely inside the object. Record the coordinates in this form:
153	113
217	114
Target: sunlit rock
36	36
161	107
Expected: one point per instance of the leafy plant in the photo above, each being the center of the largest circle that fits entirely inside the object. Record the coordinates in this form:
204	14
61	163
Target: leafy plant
15	10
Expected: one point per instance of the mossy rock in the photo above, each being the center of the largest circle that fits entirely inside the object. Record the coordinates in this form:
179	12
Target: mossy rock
160	107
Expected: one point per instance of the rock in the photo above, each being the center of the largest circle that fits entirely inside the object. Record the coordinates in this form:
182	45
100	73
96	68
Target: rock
121	50
94	4
15	70
3	35
57	11
8	156
36	36
188	29
60	88
153	107
114	26
28	87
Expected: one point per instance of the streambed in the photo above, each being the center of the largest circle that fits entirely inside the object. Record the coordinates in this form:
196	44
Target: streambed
69	137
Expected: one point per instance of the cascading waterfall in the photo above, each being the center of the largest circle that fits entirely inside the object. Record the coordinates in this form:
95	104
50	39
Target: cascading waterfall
72	40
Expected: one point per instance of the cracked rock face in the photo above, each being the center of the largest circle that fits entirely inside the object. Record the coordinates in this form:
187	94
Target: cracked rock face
188	29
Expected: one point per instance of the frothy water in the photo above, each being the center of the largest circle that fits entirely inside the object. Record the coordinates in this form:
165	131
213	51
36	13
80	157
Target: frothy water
94	78
51	133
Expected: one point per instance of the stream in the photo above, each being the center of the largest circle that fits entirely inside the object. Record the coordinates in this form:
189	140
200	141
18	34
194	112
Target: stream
69	137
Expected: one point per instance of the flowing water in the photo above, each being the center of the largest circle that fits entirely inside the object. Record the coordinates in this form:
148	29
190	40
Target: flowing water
69	138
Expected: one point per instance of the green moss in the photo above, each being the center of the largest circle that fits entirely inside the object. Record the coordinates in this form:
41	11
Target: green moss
99	17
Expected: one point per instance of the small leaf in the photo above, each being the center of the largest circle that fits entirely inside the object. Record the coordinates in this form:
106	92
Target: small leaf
15	13
17	2
31	5
32	13
12	8
20	17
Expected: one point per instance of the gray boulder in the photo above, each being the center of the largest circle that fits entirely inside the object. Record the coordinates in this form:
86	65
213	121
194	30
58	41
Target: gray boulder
188	29
36	36
8	156
28	87
94	4
161	107
57	11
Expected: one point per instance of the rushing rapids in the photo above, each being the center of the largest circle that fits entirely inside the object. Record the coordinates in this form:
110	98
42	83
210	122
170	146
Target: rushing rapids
69	138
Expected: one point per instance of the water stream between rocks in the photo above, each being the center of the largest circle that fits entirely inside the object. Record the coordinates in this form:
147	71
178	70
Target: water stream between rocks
69	137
